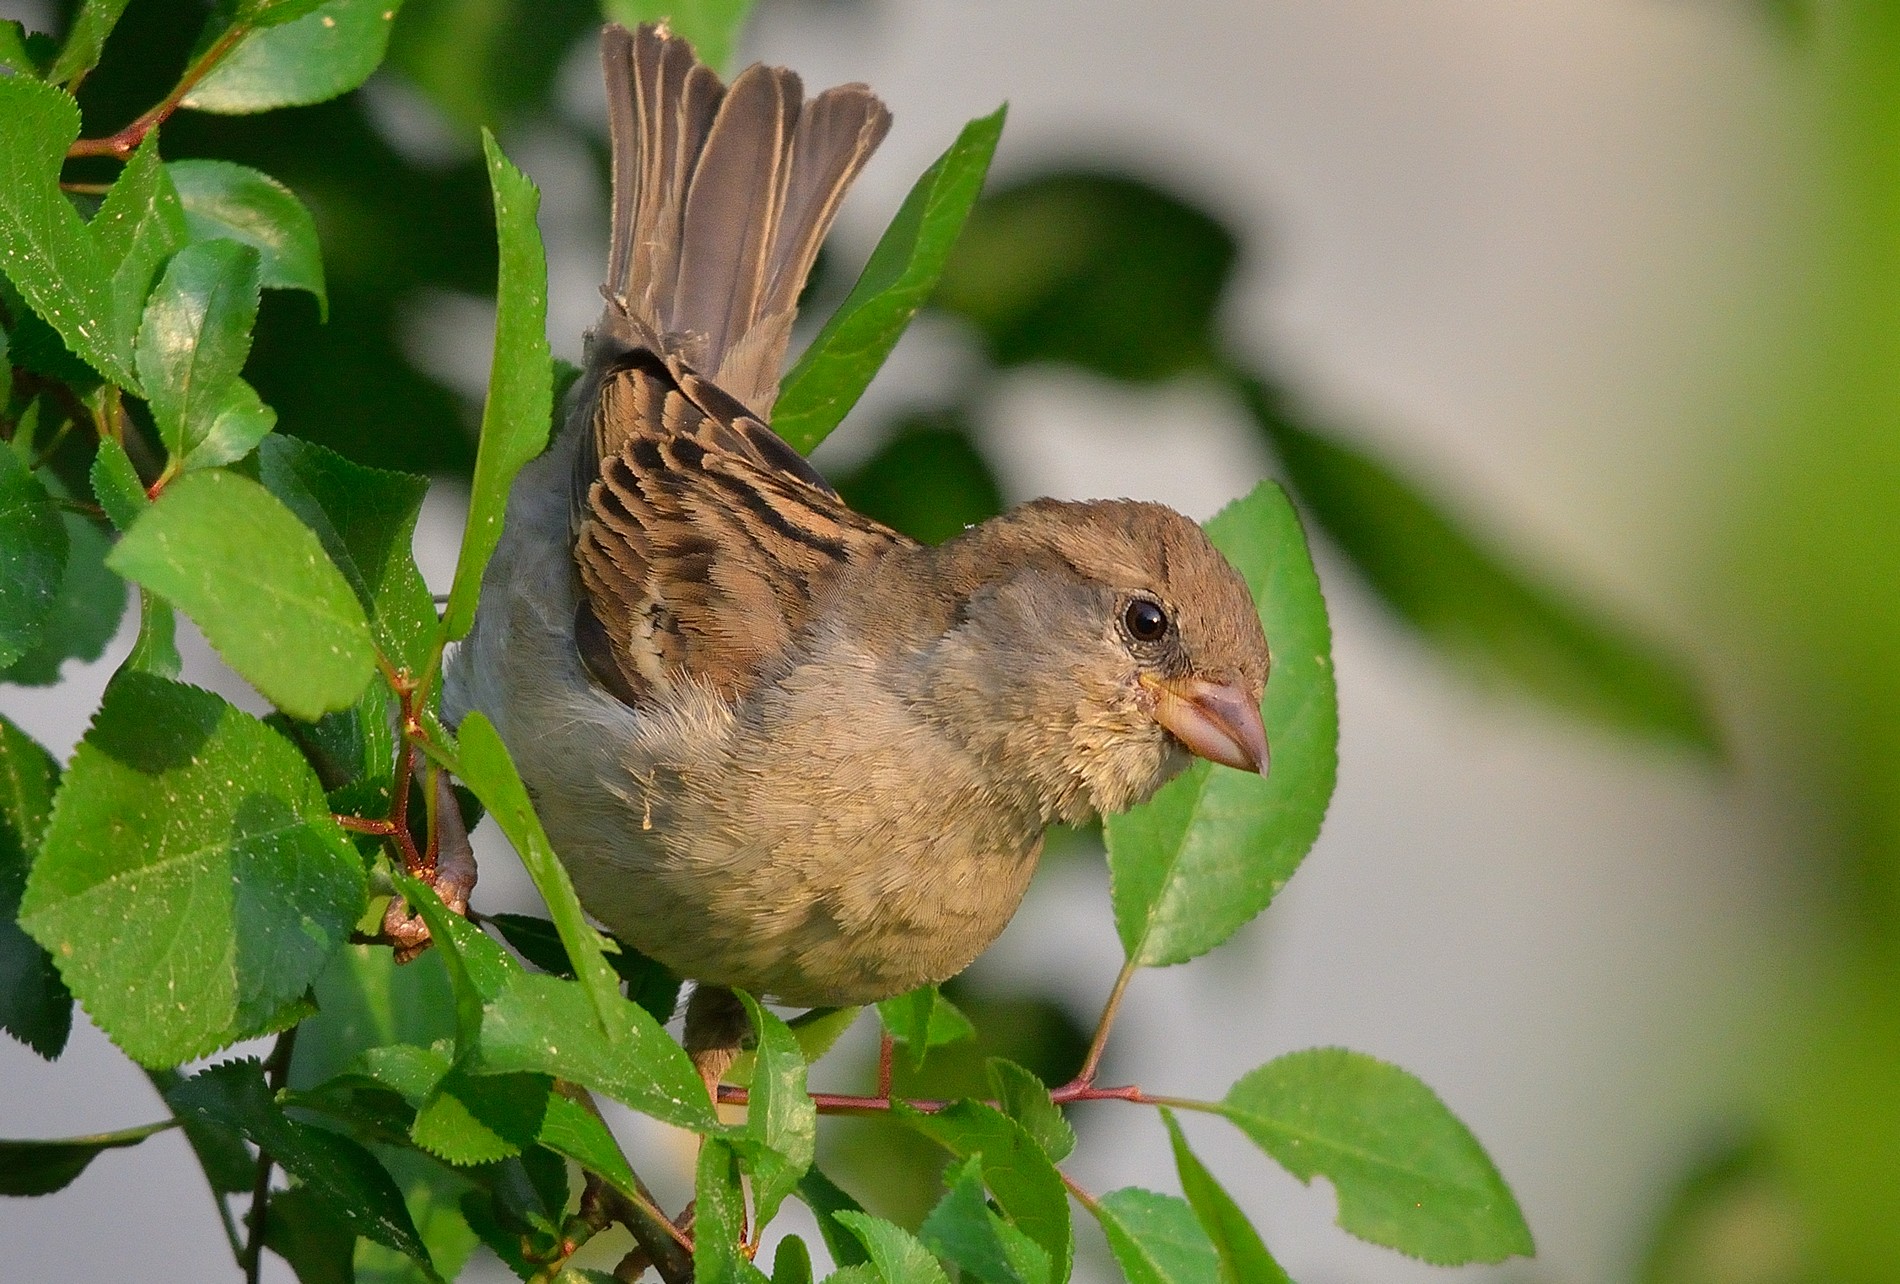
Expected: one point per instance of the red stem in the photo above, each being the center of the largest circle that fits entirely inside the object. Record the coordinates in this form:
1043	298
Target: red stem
127	140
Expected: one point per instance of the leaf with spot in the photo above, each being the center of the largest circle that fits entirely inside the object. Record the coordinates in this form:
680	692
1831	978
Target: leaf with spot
191	347
1409	1175
712	25
719	1255
781	1119
192	883
35	1007
228	553
222	199
897	280
327	51
1215	845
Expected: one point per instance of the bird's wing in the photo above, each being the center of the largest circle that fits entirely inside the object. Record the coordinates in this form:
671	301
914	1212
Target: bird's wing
705	544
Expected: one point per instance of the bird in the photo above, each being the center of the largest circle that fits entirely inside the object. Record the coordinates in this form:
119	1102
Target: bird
778	746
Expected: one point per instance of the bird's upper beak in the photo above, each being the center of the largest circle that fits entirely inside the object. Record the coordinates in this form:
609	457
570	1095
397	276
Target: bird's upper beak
1218	721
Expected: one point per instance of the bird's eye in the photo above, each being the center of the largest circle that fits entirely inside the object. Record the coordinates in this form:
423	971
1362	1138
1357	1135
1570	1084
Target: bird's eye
1145	620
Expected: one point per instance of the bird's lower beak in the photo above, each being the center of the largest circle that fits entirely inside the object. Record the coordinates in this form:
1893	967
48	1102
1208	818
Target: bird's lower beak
1218	721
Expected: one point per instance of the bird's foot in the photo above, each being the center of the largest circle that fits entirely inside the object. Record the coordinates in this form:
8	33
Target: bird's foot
452	876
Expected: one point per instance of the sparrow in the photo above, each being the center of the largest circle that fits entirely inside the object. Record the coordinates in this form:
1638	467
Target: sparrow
777	745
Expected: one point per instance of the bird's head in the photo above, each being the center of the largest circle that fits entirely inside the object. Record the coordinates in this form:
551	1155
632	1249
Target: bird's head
1104	642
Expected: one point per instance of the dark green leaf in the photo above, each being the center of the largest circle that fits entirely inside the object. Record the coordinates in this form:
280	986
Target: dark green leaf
192	883
712	25
365	1003
222	199
516	417
319	1245
328	51
341	1175
33	550
85	38
922	1020
1243	1257
45	251
1018	1173
116	485
719	1255
225	551
1096	270
1155	1238
137	228
826	1201
1472	601
545	1025
481	63
965	1230
42	1167
791	1264
648	983
229	1166
365	518
927	481
897	280
23	51
1208	851
86	611
900	1257
780	1115
479	1119
1025	1098
191	347
34	1005
1409	1175
487	769
479	970
570	1128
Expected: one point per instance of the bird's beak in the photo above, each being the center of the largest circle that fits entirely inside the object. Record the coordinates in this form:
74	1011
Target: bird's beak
1218	721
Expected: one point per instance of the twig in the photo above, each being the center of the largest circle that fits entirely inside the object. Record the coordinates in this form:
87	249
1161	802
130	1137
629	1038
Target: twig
886	1055
278	1070
127	140
1091	1063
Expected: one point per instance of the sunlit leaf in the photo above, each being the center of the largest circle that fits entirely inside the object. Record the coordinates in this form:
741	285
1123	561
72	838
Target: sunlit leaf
900	1257
1215	845
1024	1098
1018	1173
42	1167
1243	1257
515	418
192	883
222	199
1156	1239
1478	603
192	344
228	553
719	1255
1408	1174
328	51
897	280
479	1119
780	1116
964	1230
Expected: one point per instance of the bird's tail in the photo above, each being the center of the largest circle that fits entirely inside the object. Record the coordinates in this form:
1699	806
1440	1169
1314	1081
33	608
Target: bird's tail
721	198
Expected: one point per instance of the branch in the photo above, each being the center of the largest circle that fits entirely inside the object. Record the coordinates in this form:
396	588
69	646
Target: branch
127	140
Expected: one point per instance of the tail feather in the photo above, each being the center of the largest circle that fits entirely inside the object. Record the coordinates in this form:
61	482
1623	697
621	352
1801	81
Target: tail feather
721	198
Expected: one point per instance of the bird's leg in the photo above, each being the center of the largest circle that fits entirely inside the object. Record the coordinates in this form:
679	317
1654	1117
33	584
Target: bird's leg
886	1059
448	867
716	1026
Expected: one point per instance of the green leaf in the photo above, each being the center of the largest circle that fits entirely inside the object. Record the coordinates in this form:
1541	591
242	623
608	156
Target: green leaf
1408	1174
791	1264
139	225
515	418
481	63
42	1167
116	485
365	518
570	1128
85	39
928	481
86	611
479	1119
22	51
222	199
712	25
542	1024
923	1019
191	348
479	970
318	1244
225	551
1207	852
780	1115
229	1166
1097	270
1025	1098
897	280
35	1007
192	883
1026	1185
827	1200
1156	1239
328	51
1243	1257
648	983
719	1255
963	1229
486	768
1472	601
33	550
900	1257
341	1175
45	251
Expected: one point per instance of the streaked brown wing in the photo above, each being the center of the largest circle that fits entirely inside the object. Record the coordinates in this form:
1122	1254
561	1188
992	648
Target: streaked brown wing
704	541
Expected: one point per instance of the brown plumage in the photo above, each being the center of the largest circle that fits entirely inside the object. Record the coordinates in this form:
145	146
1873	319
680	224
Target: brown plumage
779	746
